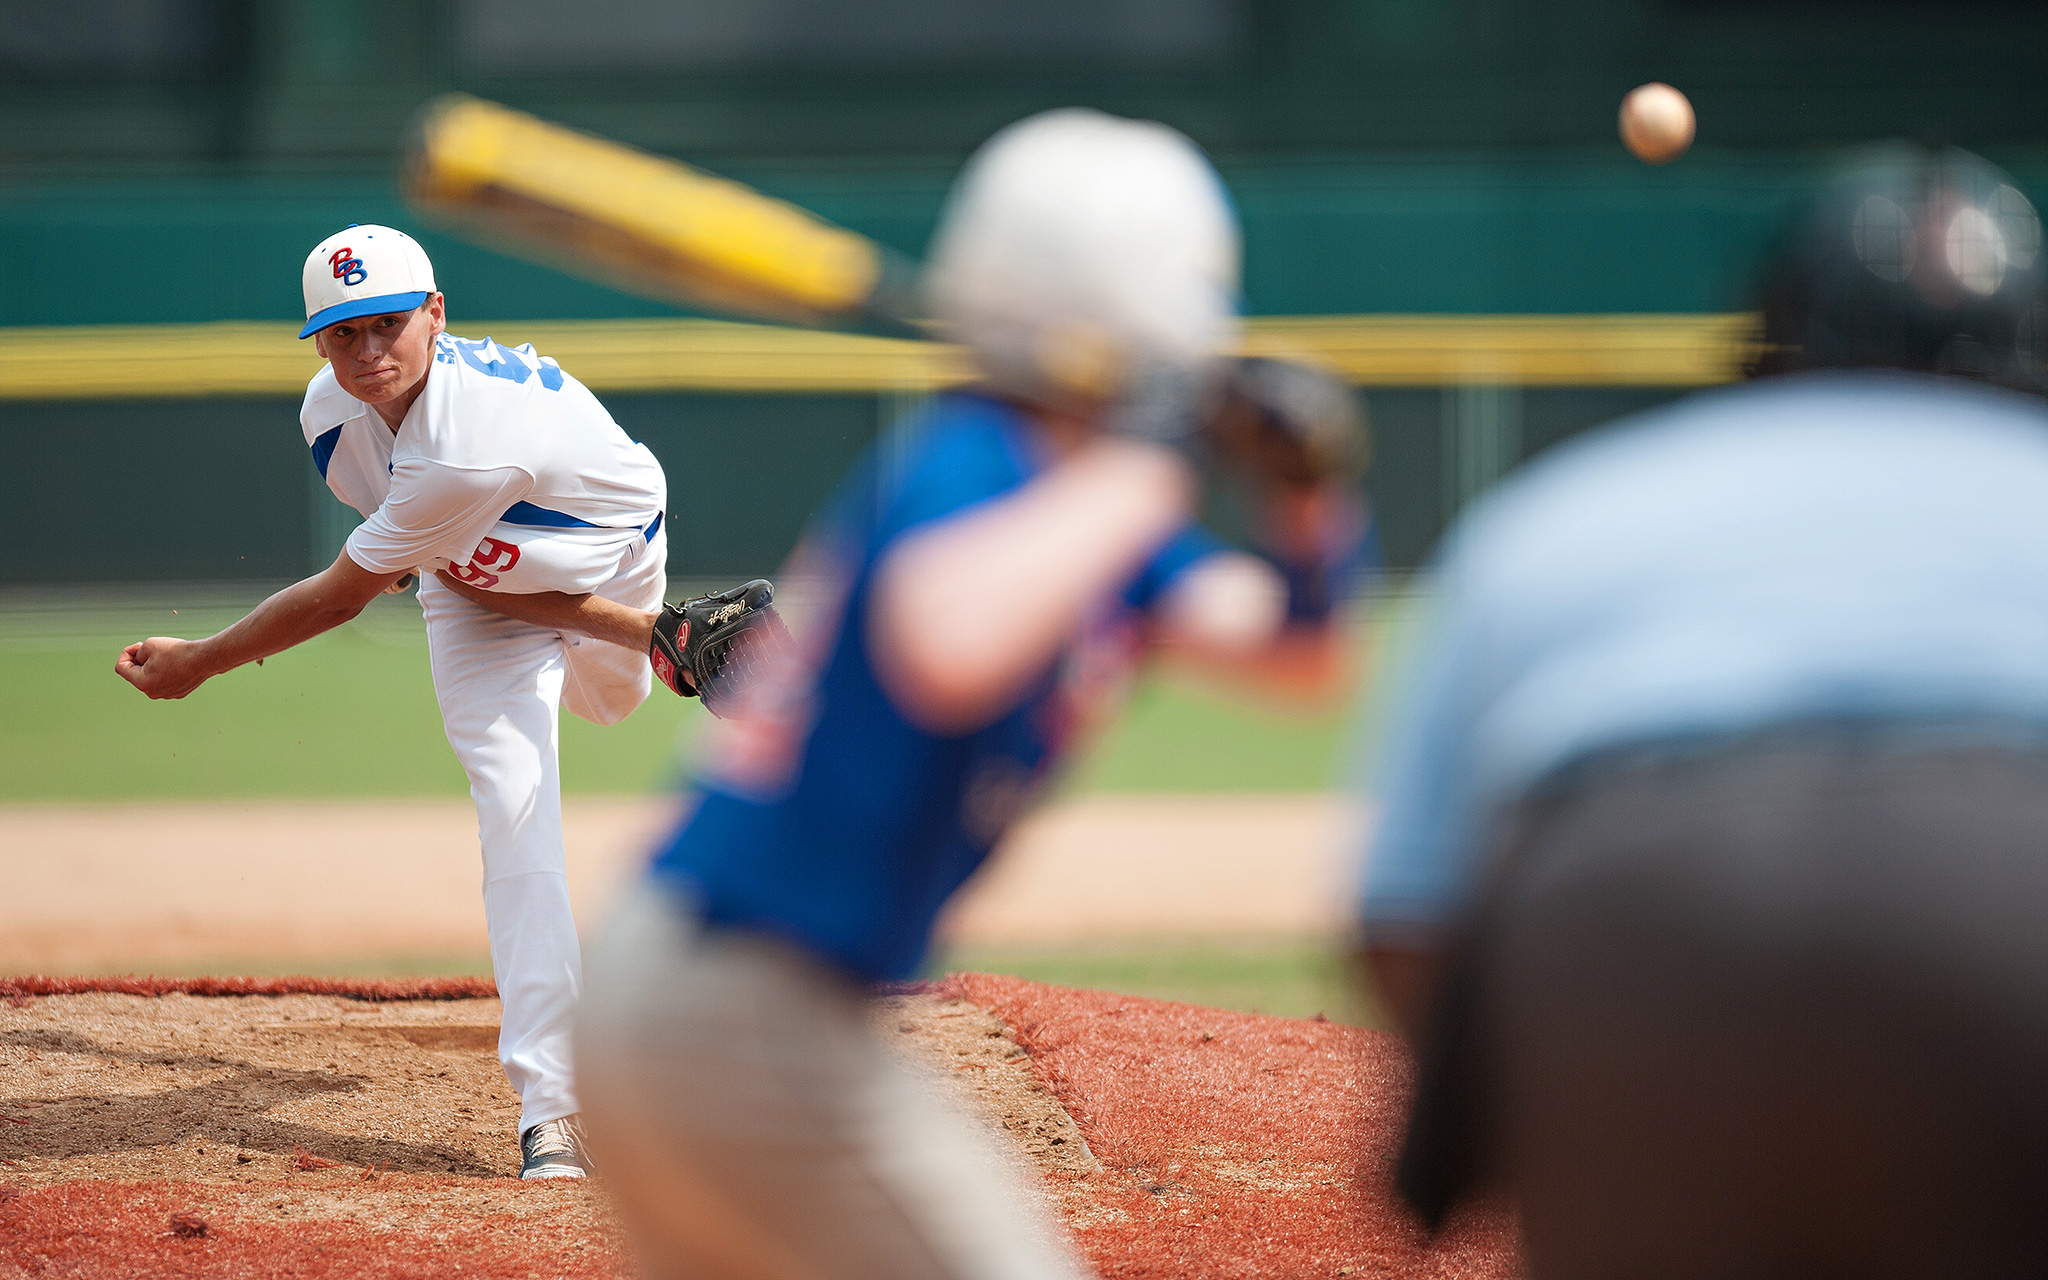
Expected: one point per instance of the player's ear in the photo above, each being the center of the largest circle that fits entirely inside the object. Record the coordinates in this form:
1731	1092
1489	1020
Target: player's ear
437	311
320	343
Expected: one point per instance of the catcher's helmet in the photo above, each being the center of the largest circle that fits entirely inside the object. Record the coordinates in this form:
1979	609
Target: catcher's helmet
1911	258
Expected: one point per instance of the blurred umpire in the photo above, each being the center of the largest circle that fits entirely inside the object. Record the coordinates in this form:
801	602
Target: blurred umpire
1712	881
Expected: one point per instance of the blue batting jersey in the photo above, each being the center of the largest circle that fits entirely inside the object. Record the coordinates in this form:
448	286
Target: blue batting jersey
834	821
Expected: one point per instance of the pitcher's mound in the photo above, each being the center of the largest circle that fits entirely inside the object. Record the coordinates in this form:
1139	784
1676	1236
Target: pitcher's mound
309	1135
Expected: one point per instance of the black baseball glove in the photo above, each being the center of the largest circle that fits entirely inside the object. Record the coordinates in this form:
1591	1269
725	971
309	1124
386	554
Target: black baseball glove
717	647
1288	422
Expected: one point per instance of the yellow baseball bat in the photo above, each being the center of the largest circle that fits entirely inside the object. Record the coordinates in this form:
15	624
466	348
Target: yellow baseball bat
644	223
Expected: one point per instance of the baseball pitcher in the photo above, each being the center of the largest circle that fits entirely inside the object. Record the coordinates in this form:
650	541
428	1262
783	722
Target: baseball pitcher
534	526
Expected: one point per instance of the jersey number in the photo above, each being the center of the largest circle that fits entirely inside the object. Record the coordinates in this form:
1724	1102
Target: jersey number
491	560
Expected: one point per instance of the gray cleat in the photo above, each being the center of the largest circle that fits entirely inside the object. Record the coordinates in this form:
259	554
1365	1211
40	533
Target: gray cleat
554	1149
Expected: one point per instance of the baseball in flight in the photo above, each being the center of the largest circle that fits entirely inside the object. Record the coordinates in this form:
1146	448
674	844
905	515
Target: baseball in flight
1656	123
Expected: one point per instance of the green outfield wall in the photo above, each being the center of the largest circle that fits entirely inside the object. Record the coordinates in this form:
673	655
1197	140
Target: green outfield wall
168	162
219	487
1347	235
195	489
1512	234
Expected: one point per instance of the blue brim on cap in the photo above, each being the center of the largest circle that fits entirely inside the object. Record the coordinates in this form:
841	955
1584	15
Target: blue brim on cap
357	307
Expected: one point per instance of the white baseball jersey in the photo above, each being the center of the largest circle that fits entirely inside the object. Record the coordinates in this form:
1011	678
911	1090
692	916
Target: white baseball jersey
506	471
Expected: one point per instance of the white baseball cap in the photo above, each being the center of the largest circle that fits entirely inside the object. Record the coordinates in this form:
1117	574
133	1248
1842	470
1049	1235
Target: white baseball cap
364	270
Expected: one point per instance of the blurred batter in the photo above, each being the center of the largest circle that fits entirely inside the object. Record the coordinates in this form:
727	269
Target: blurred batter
990	583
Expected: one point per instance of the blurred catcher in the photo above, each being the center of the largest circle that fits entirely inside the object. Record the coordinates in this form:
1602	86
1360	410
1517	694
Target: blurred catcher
993	581
1712	881
534	526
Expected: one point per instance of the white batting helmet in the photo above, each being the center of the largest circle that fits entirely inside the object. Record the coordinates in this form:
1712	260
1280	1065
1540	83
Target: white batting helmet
1080	250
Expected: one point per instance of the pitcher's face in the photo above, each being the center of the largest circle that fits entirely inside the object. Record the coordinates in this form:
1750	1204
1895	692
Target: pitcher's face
377	359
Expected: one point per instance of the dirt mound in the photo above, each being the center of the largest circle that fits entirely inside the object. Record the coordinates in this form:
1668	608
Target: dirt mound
235	1088
972	1060
394	1227
318	1134
1233	1144
281	1135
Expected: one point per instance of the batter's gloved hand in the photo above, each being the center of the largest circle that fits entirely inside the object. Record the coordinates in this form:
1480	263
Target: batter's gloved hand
1288	422
719	646
1165	406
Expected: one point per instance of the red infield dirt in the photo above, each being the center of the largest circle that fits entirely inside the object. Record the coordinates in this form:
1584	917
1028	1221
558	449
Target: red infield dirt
1232	1144
294	1128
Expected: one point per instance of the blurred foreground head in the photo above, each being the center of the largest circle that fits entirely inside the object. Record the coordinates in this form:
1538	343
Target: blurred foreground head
1080	252
1911	258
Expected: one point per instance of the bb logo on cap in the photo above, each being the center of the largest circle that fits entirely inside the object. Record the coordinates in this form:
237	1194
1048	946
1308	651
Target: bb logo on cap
364	270
347	267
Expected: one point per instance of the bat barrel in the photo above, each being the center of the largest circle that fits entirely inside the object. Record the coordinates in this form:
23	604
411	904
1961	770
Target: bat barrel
643	223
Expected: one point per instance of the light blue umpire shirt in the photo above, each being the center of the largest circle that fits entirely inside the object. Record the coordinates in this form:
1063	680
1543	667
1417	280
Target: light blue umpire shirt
1840	547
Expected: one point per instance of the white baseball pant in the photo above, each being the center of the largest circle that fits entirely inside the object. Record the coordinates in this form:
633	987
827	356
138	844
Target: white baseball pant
750	1126
500	683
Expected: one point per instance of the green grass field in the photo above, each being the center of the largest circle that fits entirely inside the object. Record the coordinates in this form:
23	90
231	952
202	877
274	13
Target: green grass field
1291	978
1295	978
352	713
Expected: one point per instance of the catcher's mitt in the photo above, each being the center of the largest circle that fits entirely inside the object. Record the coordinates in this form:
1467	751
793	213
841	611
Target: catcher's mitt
716	647
1289	422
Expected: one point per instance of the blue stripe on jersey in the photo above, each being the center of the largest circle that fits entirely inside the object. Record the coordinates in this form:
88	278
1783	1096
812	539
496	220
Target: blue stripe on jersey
527	513
323	448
